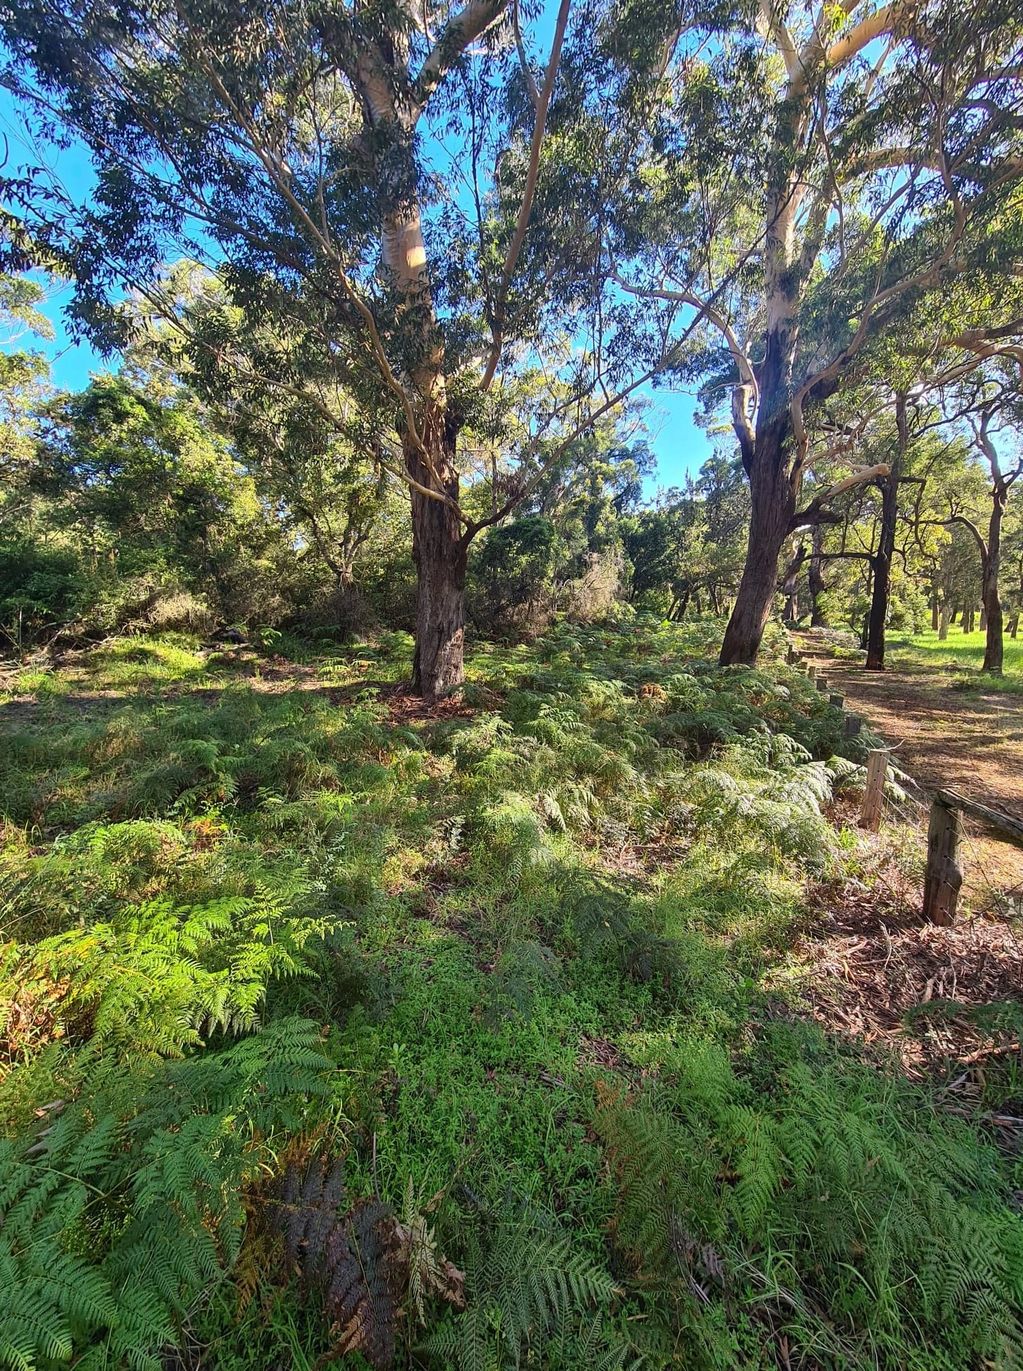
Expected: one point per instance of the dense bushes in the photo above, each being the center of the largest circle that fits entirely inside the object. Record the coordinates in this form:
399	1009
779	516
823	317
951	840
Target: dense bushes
43	590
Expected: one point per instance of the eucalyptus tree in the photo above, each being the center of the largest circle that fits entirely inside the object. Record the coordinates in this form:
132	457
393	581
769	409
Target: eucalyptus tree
814	171
994	420
389	182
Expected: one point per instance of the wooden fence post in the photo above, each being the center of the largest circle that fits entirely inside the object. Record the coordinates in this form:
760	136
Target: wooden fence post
853	726
873	795
836	701
822	684
792	656
944	875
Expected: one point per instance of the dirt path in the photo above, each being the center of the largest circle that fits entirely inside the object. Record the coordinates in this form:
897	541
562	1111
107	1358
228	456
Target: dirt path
944	739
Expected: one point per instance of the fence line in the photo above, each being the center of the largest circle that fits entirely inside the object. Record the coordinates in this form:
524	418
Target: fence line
946	836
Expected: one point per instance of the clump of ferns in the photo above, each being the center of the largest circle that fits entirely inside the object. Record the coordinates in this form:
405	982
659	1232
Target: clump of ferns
122	1199
606	922
509	839
525	972
866	1229
528	1292
766	788
160	977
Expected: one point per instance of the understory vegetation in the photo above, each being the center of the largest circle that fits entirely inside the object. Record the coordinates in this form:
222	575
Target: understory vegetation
453	1037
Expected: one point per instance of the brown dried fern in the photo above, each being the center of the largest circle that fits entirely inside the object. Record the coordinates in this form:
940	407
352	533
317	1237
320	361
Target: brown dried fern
359	1257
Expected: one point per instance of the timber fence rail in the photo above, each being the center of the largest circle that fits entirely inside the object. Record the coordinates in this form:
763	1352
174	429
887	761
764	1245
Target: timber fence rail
943	875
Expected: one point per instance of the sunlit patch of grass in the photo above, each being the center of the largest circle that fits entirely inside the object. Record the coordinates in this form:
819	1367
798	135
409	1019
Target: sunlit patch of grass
132	663
44	683
957	660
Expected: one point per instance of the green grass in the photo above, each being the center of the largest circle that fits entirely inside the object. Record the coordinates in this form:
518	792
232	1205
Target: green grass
513	964
957	660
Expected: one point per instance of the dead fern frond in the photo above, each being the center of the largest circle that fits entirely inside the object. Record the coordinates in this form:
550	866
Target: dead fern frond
364	1262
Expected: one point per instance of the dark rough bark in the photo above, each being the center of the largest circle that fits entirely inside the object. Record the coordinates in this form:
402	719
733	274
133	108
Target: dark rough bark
815	580
882	564
934	614
439	550
790	585
994	648
772	507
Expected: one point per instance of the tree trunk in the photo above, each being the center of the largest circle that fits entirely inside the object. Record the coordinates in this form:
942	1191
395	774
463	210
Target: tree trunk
882	564
439	550
993	646
865	625
790	586
772	507
815	579
943	618
1014	624
934	614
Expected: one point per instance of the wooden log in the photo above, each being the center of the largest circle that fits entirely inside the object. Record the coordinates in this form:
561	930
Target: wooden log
873	795
853	726
792	656
822	684
944	876
1005	823
836	701
811	671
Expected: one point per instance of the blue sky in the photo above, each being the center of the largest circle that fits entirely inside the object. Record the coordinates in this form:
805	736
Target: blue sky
677	442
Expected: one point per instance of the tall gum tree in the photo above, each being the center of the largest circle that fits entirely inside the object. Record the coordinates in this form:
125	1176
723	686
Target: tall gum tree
814	171
922	373
370	175
993	422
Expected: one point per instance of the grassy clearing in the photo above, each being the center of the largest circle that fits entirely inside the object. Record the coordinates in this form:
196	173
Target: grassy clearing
957	660
464	1016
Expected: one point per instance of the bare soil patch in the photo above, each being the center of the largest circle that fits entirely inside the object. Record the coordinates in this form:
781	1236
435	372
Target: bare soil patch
874	972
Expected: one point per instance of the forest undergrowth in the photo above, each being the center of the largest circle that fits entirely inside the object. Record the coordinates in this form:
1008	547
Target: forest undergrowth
462	1039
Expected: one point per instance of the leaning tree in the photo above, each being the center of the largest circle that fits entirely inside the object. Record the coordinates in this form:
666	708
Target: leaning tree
814	173
397	190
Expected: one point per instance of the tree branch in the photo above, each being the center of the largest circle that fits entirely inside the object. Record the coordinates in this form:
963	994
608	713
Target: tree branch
858	478
528	195
860	35
461	30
